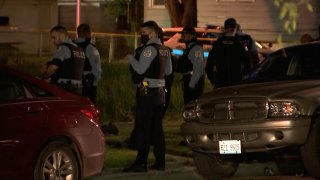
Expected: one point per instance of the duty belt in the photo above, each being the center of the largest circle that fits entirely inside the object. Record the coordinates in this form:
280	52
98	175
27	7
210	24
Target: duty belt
86	72
187	73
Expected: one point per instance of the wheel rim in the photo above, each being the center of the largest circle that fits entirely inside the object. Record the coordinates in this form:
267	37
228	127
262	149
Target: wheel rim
58	166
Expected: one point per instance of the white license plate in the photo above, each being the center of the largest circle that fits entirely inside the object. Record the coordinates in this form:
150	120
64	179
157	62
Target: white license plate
230	147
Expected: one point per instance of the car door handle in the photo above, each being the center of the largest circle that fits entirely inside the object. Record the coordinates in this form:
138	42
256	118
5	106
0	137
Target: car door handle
35	109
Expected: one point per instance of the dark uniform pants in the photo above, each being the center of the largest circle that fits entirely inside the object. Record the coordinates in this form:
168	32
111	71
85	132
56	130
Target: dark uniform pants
190	94
148	123
89	90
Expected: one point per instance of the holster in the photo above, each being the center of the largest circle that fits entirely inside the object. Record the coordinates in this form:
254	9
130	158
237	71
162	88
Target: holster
88	80
143	91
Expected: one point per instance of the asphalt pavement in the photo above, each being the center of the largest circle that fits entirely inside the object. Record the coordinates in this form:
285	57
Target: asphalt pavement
183	169
174	171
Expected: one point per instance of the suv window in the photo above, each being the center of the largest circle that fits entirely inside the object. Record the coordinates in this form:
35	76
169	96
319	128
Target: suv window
289	64
308	66
275	67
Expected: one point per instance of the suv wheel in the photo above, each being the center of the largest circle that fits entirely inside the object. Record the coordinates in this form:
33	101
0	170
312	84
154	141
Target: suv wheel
310	151
56	161
214	166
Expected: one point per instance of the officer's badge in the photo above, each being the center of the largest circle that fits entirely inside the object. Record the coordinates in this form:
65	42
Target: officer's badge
198	54
147	53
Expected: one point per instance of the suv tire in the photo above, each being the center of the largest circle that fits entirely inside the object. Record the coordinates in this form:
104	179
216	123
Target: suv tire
214	166
310	151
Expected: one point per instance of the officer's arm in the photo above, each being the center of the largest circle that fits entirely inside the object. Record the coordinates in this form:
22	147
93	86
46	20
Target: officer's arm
196	57
245	61
210	66
50	70
59	55
168	69
94	60
147	56
255	54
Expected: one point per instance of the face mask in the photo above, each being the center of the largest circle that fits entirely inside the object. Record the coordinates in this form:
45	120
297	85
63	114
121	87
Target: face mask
88	40
144	38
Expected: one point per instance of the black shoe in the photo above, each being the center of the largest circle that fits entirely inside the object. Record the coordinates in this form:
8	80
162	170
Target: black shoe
136	168
158	167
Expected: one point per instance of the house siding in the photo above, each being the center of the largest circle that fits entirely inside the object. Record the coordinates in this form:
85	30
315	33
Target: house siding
26	19
259	18
158	14
92	15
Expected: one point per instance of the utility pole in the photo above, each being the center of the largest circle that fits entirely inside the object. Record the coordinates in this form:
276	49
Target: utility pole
128	12
78	15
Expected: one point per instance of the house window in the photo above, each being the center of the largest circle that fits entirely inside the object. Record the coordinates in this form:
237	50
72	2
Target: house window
4	20
157	3
245	1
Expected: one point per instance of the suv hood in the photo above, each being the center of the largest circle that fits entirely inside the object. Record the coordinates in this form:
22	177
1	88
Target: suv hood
279	89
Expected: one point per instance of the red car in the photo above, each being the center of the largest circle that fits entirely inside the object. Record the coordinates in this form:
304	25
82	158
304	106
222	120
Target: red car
46	132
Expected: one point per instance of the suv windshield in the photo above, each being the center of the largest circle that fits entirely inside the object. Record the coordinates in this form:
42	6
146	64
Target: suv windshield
293	63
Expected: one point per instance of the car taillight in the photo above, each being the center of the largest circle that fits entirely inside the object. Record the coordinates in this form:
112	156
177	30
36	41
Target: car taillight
91	113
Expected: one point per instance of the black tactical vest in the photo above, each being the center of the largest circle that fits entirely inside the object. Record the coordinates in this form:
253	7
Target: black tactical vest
157	67
245	40
72	67
83	45
184	64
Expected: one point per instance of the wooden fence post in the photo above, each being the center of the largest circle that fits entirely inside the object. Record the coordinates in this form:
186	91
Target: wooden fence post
111	49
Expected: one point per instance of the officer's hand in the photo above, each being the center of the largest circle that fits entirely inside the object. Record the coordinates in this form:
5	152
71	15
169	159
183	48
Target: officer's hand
191	87
129	56
43	69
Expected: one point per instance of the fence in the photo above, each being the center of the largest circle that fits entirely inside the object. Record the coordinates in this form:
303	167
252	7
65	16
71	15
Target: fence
31	42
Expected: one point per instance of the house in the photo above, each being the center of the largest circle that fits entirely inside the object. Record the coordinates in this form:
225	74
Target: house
92	13
24	23
259	18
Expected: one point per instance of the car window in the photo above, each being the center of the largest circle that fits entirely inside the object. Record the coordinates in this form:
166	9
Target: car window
295	63
10	89
38	92
308	66
275	67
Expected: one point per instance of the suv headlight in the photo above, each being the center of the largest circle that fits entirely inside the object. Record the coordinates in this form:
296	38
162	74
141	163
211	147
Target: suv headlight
283	109
190	112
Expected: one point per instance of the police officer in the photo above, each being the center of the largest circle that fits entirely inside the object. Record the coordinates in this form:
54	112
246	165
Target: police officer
227	62
191	65
92	66
66	67
137	80
154	64
249	46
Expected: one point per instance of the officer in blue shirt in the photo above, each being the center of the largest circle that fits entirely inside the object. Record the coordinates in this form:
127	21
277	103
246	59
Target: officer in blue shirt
92	67
191	66
66	67
154	63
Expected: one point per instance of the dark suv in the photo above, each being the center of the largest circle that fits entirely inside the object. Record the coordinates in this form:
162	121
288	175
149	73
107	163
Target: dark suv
276	113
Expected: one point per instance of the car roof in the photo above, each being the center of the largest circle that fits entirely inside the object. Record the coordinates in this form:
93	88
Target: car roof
294	48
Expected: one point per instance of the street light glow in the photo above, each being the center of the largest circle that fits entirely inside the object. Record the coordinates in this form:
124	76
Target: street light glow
78	13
